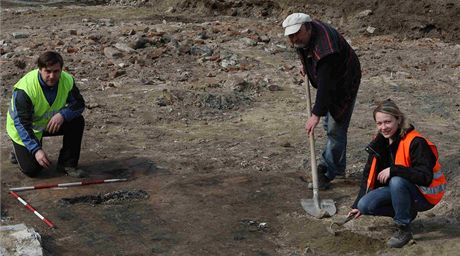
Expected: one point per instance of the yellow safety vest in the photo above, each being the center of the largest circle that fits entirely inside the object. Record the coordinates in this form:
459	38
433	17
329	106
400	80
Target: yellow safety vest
42	110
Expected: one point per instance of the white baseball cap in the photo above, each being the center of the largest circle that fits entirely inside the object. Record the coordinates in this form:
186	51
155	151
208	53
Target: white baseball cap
293	22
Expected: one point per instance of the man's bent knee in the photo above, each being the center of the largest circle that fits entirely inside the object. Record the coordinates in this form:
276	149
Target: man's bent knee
31	171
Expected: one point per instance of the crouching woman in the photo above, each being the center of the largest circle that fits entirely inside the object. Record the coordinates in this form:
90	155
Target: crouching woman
402	176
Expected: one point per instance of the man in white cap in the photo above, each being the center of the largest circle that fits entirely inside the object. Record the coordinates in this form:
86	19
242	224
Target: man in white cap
333	68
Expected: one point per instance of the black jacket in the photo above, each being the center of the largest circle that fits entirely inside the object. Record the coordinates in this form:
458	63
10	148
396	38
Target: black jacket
422	158
333	68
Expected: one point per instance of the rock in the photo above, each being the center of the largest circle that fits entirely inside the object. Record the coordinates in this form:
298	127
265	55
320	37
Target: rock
20	240
156	53
124	47
139	43
363	14
202	35
201	50
112	53
20	64
370	29
106	22
167	98
19	35
265	39
248	41
171	10
237	84
72	49
8	55
183	76
286	144
185	46
118	73
73	32
274	87
95	37
21	49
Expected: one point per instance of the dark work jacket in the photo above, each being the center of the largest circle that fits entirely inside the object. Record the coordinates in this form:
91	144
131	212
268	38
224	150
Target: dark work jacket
333	69
419	173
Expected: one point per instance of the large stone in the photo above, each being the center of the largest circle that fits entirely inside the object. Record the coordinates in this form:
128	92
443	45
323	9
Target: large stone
19	240
19	35
124	47
201	50
112	53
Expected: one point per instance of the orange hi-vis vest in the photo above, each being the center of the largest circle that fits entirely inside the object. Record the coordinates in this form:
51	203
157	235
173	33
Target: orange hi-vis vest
435	191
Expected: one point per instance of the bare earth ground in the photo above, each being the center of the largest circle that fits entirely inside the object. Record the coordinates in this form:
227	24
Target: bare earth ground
204	115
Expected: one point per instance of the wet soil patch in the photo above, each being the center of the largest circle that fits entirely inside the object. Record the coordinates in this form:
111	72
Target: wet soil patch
115	197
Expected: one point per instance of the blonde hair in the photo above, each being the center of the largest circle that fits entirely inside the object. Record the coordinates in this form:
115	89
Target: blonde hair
390	108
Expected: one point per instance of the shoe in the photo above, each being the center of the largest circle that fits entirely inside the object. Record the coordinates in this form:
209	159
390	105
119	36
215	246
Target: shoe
322	169
401	237
324	183
72	171
340	175
13	159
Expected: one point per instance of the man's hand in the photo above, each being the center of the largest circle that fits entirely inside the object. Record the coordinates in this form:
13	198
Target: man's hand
55	123
42	158
312	122
302	71
384	175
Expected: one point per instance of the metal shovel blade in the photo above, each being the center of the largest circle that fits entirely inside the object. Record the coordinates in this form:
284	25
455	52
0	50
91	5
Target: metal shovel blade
326	207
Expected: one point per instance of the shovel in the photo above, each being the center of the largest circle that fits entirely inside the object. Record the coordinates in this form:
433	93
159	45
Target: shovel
316	207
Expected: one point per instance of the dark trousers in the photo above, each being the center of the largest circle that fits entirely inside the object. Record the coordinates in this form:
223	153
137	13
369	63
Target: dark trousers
69	155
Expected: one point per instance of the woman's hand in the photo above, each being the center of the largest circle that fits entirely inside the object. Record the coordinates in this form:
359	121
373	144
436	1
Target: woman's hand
354	212
384	175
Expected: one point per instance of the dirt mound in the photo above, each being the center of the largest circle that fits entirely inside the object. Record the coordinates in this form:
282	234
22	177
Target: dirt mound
407	19
411	19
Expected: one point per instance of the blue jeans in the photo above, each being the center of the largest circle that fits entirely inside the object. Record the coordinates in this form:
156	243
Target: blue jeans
401	200
334	156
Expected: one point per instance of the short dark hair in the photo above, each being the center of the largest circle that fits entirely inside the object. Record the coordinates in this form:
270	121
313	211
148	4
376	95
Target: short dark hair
49	58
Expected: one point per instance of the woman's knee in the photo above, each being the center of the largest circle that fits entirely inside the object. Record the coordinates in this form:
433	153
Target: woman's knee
396	182
363	206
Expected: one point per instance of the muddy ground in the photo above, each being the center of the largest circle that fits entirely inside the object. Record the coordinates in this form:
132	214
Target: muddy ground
200	105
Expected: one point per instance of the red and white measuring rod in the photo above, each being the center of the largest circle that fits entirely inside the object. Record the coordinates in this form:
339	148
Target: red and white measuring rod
28	206
71	184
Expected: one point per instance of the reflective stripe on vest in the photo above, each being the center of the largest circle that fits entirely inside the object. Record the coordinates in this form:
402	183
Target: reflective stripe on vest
435	191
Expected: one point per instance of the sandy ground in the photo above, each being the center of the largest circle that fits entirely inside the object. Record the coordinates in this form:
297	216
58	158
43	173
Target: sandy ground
204	115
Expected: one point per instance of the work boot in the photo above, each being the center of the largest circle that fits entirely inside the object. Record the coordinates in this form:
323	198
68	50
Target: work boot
324	183
340	175
72	171
322	169
13	159
401	237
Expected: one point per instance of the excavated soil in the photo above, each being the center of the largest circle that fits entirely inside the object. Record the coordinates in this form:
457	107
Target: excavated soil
199	104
